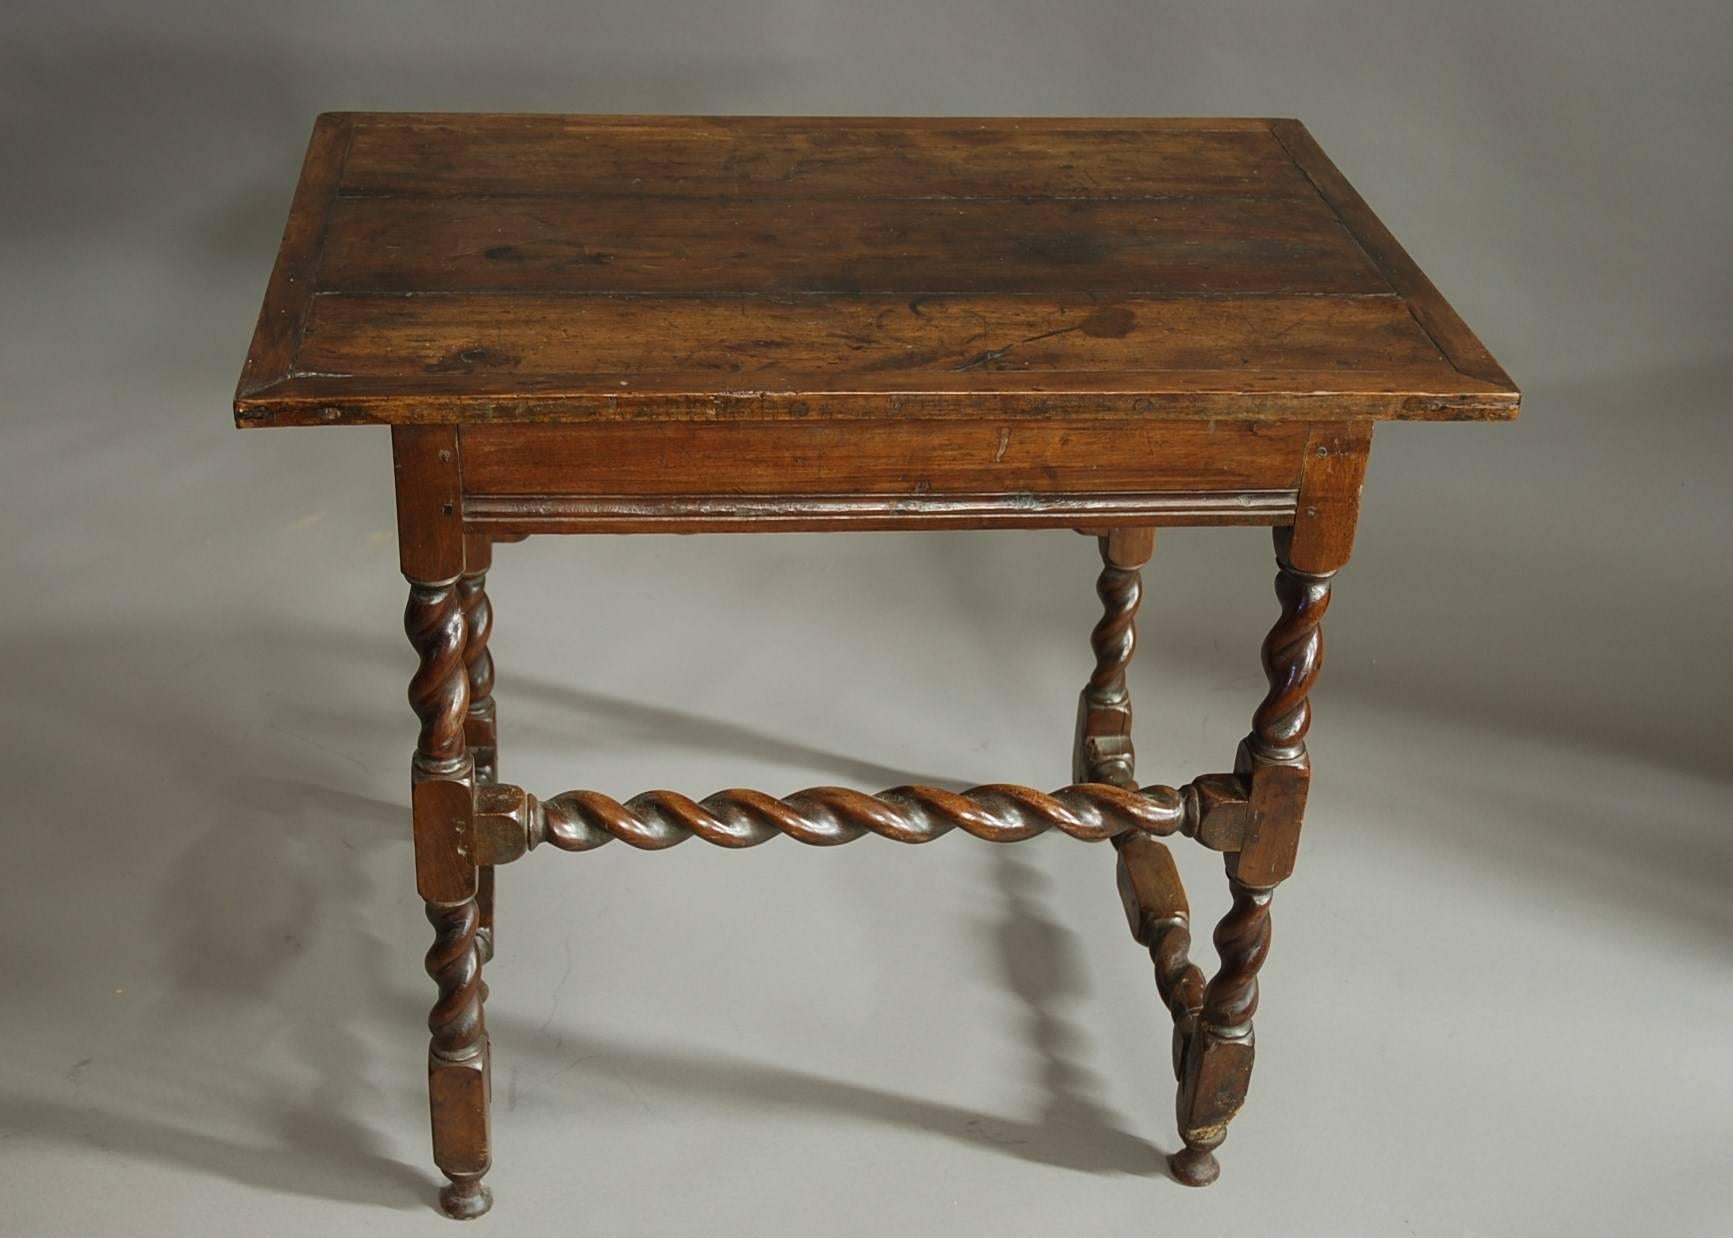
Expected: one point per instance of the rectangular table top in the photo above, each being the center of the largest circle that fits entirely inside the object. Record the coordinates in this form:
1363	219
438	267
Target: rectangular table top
493	268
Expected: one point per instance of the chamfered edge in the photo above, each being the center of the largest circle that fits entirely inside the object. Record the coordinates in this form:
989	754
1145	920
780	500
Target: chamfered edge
314	401
1455	341
289	291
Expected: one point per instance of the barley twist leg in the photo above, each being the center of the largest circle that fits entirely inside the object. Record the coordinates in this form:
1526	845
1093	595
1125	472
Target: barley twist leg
1102	749
1218	1062
480	728
443	790
1149	884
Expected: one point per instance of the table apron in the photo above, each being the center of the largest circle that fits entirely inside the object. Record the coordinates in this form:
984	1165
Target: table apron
729	476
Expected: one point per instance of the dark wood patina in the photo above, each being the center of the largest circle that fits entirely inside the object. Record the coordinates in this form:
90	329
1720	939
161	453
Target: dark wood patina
648	324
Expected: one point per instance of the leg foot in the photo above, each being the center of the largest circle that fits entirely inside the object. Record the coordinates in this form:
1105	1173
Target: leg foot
1194	1166
465	1198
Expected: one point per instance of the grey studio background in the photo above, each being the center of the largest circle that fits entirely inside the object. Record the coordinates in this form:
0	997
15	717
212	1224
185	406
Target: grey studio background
1499	997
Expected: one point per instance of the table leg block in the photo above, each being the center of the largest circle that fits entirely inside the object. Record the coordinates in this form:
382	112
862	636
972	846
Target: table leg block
459	1095
1214	1079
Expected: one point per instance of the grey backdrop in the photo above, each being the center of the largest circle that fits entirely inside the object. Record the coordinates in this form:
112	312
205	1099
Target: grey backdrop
1499	999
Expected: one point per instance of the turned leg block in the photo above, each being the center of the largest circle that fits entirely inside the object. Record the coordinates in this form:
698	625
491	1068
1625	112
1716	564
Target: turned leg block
1213	1086
458	1095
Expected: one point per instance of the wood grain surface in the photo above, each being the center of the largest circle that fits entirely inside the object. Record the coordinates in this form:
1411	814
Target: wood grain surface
487	269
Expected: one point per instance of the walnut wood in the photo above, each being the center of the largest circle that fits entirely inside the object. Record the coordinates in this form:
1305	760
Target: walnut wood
505	819
1074	395
452	962
1242	940
1217	1066
457	1064
447	876
288	300
1126	549
864	343
710	476
509	821
480	728
443	810
705	157
433	619
1328	504
1159	914
484	893
828	816
1455	341
974	457
1218	1063
1292	656
436	619
480	731
1102	750
779	247
1224	810
1149	884
684	324
450	269
429	502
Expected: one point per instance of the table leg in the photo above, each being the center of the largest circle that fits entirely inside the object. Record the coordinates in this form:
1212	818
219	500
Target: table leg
443	803
1217	1063
1101	751
431	548
1149	882
480	729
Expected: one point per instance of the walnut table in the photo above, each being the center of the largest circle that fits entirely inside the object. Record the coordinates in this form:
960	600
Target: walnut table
612	324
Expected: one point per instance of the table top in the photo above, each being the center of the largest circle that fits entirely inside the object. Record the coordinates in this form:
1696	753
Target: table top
494	268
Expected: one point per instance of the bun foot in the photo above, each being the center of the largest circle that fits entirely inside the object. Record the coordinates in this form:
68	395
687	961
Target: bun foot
1194	1166
465	1200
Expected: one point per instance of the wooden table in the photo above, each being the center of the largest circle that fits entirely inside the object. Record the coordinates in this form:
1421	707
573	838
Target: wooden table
611	324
